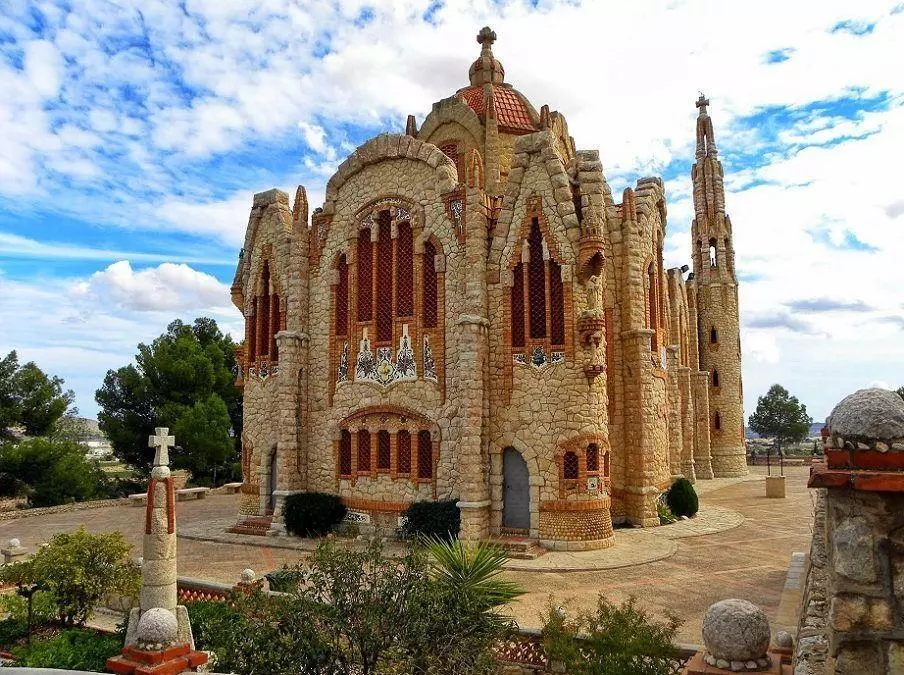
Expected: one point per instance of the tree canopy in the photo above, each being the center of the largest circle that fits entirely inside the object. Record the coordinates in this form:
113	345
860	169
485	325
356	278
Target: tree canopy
781	416
900	391
29	398
183	380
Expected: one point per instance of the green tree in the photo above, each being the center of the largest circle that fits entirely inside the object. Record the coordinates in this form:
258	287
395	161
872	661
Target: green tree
50	472
900	391
780	416
79	569
183	380
29	398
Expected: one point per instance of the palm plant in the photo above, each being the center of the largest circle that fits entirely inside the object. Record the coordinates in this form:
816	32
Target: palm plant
473	570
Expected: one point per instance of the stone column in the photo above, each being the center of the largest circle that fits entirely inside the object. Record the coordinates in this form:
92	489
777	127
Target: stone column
857	559
291	460
703	465
674	400
688	467
640	489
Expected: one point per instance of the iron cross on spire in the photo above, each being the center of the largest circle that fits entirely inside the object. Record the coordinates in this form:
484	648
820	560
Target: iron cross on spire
162	443
702	102
486	36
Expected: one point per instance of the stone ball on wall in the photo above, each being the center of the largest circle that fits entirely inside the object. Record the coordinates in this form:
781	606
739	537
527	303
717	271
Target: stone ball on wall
736	630
248	575
157	626
868	414
14	544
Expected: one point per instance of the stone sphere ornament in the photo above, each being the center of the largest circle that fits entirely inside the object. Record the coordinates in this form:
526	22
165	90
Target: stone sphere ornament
248	575
14	544
157	627
736	632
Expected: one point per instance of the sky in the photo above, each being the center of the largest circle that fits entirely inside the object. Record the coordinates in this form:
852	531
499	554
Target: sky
135	133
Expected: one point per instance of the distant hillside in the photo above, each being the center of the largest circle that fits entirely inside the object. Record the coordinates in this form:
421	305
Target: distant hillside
815	431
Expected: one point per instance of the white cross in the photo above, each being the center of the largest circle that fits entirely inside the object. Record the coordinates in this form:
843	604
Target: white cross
162	443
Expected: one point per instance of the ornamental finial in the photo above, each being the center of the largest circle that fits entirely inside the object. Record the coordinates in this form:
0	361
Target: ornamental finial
486	37
702	102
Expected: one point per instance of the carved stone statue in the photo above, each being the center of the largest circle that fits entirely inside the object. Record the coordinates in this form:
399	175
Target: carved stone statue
594	288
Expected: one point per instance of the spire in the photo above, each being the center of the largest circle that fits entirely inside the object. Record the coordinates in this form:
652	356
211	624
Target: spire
706	141
486	69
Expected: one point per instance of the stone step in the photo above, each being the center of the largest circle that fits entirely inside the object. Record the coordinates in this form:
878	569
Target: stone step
257	526
518	548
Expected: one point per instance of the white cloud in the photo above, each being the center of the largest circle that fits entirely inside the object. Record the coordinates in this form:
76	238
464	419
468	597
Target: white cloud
167	287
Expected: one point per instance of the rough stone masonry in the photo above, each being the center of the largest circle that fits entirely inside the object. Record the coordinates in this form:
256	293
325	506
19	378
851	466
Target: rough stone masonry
471	315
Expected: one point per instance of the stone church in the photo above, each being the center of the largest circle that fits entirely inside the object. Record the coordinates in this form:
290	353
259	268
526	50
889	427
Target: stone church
471	315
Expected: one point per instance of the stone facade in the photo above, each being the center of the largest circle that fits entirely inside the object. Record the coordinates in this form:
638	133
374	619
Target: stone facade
471	315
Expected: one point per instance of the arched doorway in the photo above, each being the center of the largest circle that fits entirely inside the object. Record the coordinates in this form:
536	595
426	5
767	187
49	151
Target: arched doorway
516	491
271	484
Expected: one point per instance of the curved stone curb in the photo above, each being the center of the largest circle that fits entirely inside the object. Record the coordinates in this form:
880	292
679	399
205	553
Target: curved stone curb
709	520
16	514
632	547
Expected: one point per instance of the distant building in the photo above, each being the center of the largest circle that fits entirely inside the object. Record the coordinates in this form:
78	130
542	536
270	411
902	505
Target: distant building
471	315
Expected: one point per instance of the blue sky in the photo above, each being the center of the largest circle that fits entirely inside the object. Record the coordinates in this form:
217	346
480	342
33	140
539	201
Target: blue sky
135	134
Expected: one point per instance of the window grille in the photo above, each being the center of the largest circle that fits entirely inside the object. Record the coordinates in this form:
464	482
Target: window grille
365	276
251	340
536	279
593	458
345	453
518	306
450	150
342	297
570	466
383	452
363	450
275	320
384	279
556	305
403	452
424	455
263	344
431	308
404	271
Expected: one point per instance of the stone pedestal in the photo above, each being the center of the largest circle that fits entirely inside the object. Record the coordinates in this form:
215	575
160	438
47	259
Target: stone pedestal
697	666
176	659
14	552
775	487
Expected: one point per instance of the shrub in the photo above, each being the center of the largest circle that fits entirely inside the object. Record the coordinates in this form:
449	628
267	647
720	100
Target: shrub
15	607
75	649
80	569
666	517
432	520
284	580
312	514
682	498
613	640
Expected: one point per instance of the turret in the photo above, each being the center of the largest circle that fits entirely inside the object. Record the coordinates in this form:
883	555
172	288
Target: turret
716	286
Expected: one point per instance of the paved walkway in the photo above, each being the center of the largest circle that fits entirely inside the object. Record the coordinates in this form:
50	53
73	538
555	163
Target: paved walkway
739	546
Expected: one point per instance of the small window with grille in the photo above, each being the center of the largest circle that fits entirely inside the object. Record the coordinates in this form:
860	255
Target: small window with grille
570	466
403	453
345	453
593	459
424	455
363	451
384	458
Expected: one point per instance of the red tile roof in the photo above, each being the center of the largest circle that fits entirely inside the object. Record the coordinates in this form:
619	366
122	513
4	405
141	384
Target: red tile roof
511	111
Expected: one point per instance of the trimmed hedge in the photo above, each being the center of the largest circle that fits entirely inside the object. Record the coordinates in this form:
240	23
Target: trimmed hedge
312	514
682	498
434	520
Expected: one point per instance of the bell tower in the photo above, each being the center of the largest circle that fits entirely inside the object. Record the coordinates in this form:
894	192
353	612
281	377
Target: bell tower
716	287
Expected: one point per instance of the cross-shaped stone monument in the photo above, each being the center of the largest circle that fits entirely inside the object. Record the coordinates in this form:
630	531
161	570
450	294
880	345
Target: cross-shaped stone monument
162	442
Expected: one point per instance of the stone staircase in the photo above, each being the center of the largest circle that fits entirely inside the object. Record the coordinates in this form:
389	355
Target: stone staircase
517	547
257	526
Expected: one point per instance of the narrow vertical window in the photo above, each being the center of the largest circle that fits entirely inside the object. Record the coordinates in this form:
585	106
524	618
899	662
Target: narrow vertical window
431	308
384	279
424	455
383	450
717	421
251	337
275	320
715	378
536	279
556	305
365	276
403	452
363	450
651	282
593	458
713	259
342	297
570	466
450	150
345	453
518	306
263	306
404	271
713	335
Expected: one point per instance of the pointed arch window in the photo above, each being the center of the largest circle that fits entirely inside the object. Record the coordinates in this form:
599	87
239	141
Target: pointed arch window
652	306
713	256
593	459
365	263
404	270
538	296
265	322
342	297
431	304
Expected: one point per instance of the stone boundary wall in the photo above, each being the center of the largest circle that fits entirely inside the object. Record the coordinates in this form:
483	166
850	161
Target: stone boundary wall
15	514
